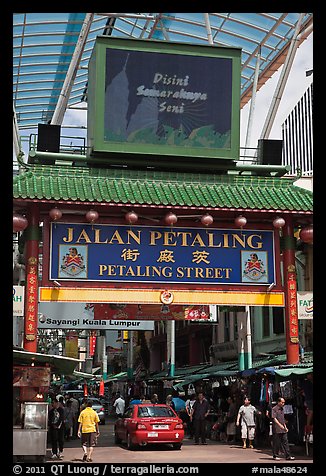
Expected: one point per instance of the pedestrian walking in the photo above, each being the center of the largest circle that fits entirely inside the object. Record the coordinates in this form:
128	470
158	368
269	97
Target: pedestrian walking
199	412
119	405
247	414
189	404
68	420
231	418
88	430
280	431
56	429
75	409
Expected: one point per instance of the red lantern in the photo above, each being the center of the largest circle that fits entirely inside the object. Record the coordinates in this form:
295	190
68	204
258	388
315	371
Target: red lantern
278	222
19	223
207	219
240	221
131	217
55	214
170	218
306	234
92	216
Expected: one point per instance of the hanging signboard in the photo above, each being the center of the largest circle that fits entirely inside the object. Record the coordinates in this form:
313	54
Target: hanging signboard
305	305
71	345
18	300
155	312
144	254
87	323
163	98
27	376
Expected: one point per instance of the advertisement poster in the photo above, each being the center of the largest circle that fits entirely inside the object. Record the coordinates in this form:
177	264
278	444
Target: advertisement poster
166	99
24	376
305	305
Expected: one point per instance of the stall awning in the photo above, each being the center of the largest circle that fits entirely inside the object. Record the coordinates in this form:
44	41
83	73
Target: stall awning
59	364
205	376
293	372
118	376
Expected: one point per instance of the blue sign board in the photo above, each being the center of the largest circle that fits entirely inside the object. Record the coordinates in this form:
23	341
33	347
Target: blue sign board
149	254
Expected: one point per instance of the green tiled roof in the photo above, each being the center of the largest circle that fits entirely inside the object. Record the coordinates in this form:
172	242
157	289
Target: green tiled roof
161	188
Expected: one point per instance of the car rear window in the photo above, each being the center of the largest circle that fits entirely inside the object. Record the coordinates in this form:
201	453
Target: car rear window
155	411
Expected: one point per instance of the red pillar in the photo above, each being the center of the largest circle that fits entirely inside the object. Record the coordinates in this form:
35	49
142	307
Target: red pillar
31	285
290	288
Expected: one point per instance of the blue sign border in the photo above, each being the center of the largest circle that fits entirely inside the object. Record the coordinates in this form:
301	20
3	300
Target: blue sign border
162	255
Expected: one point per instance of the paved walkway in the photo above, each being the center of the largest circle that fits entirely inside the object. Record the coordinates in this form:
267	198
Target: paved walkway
214	452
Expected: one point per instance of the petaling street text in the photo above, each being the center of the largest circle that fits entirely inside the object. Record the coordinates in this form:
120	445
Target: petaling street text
211	239
163	271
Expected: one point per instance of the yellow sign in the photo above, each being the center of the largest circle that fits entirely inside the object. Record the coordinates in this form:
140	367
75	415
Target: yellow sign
150	296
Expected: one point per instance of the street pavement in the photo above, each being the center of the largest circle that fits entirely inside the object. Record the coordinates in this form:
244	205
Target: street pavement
107	451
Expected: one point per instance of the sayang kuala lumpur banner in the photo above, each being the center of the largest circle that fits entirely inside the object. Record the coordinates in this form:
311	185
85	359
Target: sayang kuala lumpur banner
145	254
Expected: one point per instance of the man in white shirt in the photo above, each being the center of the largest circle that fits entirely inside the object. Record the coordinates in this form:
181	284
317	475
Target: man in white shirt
119	405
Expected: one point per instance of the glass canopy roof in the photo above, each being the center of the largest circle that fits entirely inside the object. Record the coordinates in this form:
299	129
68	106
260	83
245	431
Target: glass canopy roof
45	47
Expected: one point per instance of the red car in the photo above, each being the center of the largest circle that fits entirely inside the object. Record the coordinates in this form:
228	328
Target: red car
149	423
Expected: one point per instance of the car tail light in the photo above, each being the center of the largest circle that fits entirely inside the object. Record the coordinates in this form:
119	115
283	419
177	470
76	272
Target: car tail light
102	409
179	425
141	426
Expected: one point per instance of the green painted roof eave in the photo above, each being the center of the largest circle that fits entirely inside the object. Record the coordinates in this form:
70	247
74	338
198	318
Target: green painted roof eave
154	188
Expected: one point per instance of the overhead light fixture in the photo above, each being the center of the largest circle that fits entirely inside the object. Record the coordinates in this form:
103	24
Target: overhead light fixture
170	218
131	217
278	222
92	216
20	223
240	221
207	219
55	214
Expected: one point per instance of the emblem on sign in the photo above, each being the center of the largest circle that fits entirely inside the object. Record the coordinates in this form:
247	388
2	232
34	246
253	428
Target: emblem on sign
72	262
254	268
167	297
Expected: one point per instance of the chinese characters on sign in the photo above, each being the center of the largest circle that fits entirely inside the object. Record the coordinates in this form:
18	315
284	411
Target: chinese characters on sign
292	308
32	299
151	254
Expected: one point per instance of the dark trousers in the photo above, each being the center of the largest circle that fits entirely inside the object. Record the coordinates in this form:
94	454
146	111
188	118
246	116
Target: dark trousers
57	439
280	440
190	425
200	429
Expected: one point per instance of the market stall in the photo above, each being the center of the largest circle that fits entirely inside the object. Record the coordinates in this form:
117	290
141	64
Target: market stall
31	383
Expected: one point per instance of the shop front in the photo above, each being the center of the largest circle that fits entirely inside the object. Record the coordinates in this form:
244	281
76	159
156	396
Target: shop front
32	374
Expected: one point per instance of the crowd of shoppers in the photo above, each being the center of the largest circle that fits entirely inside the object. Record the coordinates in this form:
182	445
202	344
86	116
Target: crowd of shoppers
69	419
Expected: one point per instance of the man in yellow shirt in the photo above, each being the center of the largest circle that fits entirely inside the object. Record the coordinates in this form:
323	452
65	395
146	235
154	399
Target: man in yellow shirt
88	430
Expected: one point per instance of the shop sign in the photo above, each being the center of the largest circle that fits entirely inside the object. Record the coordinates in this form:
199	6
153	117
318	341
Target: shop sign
143	254
18	300
155	312
71	345
305	305
92	344
27	376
